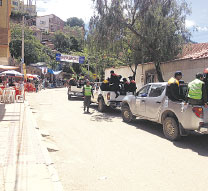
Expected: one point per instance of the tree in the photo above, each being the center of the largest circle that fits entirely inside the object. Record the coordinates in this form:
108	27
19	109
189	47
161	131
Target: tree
144	30
74	21
34	50
65	44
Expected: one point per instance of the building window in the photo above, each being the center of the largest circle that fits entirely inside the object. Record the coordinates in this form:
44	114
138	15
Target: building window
0	2
15	3
42	22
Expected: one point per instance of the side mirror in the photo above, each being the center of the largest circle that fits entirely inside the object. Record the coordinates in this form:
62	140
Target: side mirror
144	95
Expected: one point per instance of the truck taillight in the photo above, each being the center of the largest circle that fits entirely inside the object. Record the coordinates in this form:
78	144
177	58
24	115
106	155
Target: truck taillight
198	111
108	96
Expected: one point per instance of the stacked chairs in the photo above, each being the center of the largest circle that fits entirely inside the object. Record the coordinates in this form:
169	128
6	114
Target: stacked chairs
9	95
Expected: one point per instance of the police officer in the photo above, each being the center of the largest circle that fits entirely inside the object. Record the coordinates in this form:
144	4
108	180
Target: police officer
197	94
173	87
88	92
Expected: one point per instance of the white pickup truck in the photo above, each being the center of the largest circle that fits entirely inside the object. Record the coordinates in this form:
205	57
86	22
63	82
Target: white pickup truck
106	99
151	103
75	91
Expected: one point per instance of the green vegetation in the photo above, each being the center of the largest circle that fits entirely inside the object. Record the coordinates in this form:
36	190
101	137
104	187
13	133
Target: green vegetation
135	32
34	50
74	21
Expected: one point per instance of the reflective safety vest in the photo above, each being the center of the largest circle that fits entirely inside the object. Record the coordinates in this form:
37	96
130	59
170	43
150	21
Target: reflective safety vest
195	89
173	81
87	90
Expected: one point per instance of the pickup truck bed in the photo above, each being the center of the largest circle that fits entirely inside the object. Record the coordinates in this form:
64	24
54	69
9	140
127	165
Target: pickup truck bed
75	91
106	98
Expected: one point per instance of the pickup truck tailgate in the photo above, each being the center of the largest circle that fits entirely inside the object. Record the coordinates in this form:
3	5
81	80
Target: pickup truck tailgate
205	117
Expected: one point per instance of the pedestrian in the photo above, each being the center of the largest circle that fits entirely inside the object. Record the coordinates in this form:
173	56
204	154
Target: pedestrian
88	92
132	85
197	94
173	92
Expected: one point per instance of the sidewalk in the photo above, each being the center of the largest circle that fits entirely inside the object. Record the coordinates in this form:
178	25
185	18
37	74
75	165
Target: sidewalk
25	164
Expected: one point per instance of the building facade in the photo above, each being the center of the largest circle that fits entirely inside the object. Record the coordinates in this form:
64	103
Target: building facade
19	6
5	12
49	23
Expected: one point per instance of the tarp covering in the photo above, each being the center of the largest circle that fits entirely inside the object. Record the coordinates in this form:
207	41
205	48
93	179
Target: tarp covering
54	72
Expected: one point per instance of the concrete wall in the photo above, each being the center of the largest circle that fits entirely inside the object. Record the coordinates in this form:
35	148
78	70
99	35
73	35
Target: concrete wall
42	23
188	67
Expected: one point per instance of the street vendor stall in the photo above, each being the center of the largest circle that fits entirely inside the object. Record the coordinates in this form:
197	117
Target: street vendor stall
11	86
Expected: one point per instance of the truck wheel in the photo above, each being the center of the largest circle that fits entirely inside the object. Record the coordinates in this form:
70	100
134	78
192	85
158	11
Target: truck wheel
171	129
127	116
101	105
69	97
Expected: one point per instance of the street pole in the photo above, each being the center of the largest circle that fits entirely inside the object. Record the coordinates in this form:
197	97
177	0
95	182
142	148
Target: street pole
23	43
88	68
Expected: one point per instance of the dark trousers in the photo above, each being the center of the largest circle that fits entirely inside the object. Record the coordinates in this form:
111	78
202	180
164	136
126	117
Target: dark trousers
87	100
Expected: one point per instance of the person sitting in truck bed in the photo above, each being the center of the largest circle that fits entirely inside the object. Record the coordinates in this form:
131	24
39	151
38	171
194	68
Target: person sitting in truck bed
173	91
132	85
114	83
124	86
197	94
105	85
72	82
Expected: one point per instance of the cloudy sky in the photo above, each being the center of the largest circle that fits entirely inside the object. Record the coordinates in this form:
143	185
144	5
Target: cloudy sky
197	22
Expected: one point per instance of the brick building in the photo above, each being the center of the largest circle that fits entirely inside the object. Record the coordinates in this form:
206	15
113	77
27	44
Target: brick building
49	23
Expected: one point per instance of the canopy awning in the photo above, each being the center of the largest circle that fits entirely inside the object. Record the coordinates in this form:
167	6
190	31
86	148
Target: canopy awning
11	73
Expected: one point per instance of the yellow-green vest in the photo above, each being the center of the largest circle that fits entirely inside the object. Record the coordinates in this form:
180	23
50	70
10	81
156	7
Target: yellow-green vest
87	90
195	89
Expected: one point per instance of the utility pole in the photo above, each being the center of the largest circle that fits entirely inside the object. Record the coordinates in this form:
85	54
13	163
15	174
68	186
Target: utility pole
23	43
88	68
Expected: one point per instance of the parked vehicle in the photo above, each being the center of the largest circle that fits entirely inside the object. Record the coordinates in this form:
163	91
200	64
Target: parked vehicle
75	91
152	104
106	99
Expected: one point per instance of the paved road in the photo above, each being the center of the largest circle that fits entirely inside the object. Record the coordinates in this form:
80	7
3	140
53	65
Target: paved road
99	152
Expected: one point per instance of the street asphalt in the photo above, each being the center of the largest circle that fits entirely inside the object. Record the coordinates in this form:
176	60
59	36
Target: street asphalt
99	152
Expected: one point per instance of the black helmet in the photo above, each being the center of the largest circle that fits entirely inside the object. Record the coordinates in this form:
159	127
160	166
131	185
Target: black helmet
199	75
178	73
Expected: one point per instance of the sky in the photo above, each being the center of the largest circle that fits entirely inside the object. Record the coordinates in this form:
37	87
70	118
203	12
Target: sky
197	22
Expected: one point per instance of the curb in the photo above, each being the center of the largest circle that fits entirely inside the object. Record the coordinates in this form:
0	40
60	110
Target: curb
49	163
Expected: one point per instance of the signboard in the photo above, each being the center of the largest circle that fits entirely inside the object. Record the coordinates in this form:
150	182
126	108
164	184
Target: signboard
44	70
69	58
81	59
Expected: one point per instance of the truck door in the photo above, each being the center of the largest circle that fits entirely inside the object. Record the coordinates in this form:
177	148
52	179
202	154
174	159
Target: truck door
141	97
154	101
